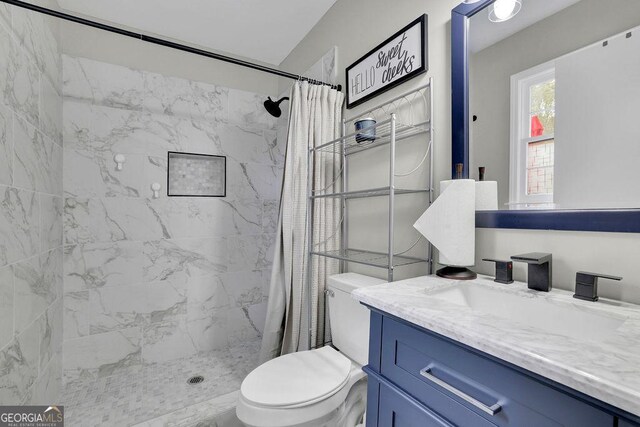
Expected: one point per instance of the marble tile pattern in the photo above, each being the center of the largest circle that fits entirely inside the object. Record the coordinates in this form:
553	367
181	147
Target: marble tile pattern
606	369
217	412
157	394
31	208
146	280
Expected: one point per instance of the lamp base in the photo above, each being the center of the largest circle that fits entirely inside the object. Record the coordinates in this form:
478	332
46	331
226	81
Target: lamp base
456	273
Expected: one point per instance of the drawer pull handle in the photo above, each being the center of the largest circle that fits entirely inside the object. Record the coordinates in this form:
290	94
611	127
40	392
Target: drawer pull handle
491	410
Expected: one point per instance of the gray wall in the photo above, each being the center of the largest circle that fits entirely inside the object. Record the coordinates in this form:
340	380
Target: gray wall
86	42
600	86
30	209
575	27
150	280
357	26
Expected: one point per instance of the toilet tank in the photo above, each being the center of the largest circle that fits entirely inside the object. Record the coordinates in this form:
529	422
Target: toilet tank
348	318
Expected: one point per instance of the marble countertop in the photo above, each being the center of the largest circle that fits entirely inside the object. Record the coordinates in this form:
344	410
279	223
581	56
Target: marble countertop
607	368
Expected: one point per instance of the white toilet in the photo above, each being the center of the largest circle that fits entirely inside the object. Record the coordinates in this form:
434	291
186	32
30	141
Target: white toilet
322	387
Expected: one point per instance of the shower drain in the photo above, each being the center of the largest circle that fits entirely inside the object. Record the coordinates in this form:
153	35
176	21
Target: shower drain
195	380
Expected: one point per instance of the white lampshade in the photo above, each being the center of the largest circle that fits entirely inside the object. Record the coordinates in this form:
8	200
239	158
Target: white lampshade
450	223
503	10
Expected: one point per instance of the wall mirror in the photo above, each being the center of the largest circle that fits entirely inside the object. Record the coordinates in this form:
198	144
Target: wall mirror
546	97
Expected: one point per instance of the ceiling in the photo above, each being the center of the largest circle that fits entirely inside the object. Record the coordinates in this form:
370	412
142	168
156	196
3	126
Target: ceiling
484	33
262	30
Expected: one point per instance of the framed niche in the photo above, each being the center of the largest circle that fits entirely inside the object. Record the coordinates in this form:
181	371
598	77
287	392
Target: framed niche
196	175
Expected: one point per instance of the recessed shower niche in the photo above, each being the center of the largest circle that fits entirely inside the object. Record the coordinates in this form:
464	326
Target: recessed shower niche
196	175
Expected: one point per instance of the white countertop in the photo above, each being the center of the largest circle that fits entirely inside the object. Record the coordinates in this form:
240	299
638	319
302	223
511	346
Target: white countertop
607	369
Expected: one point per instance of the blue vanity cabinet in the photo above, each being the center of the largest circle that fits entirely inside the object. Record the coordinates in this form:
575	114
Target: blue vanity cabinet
400	411
389	405
419	378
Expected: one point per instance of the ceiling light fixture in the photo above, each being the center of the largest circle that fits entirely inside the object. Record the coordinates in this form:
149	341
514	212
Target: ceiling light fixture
503	10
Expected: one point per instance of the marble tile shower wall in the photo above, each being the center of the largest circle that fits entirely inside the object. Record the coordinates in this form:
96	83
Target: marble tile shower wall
30	208
148	280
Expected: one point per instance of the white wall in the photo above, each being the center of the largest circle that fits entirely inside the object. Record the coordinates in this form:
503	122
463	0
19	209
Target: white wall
86	42
597	127
356	26
613	253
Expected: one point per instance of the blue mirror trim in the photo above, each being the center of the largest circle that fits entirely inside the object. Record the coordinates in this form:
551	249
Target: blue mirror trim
460	83
605	220
459	95
614	220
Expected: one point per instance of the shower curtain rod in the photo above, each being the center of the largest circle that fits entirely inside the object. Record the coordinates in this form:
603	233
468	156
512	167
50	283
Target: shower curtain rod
163	42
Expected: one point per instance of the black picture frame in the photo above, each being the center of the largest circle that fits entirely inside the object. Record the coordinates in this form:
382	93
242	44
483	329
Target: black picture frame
169	153
423	21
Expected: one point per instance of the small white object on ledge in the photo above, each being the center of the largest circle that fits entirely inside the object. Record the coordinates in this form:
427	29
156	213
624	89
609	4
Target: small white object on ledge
119	159
155	187
487	195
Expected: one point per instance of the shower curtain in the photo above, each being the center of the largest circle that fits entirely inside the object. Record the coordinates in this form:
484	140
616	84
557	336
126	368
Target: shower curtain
315	117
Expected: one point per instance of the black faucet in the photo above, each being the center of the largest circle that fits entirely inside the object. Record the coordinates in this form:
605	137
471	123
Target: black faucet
539	270
587	285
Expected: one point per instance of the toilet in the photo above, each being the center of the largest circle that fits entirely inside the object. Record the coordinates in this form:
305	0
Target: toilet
321	387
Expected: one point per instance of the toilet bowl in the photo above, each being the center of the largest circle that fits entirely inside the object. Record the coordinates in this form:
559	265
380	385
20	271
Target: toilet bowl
321	387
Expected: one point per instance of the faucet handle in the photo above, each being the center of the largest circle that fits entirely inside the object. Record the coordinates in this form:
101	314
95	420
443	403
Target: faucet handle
587	285
504	270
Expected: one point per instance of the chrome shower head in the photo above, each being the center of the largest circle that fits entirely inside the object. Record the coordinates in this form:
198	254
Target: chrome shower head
273	107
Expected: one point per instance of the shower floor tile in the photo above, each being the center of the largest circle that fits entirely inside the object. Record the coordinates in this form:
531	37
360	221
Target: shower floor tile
146	394
217	412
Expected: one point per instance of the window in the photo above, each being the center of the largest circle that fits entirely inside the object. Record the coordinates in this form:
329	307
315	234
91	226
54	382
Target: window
533	103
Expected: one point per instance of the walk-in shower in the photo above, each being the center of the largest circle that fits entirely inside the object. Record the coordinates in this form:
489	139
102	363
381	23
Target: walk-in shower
114	293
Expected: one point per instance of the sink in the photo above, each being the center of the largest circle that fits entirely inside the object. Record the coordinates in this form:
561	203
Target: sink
552	316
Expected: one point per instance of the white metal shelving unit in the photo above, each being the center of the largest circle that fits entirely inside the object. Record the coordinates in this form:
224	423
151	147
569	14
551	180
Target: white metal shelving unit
396	122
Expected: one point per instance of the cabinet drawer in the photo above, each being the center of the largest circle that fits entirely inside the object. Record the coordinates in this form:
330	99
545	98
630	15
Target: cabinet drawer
397	410
431	369
384	409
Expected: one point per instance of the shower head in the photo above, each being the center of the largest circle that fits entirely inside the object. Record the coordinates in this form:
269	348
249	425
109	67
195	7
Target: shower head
273	107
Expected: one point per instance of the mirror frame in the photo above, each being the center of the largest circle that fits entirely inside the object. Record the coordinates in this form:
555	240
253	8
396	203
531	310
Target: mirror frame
605	220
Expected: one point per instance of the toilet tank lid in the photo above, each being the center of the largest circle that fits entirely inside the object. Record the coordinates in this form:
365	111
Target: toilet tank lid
348	282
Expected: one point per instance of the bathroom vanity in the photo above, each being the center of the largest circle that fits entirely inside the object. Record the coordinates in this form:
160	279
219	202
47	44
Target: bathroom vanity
479	353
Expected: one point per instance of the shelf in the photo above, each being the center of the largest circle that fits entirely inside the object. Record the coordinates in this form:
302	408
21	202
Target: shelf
392	131
373	192
349	145
373	259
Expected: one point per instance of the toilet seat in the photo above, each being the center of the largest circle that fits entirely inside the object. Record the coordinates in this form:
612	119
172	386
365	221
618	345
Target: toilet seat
320	406
297	379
